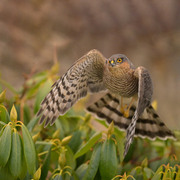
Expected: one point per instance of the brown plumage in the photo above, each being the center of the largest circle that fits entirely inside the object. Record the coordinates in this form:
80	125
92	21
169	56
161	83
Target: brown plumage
94	73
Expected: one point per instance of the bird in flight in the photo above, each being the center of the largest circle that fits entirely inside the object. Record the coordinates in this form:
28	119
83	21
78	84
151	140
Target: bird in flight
94	73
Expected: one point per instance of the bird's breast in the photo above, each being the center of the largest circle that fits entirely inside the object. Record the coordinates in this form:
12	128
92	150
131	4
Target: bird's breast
121	82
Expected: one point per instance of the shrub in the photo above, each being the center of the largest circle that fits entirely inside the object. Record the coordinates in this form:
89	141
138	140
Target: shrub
72	148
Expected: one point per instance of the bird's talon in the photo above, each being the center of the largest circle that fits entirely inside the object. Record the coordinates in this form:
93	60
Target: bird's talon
126	113
122	109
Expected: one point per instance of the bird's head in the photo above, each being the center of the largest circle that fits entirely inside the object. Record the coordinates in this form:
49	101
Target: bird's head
119	61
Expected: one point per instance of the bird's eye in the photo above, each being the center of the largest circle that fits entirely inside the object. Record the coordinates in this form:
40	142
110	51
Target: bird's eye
119	60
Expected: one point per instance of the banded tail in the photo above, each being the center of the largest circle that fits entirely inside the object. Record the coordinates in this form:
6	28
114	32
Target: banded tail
149	125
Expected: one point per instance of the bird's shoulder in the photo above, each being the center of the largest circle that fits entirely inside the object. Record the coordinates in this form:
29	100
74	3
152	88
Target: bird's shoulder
92	56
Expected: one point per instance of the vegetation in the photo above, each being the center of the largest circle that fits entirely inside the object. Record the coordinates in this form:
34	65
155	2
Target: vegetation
72	148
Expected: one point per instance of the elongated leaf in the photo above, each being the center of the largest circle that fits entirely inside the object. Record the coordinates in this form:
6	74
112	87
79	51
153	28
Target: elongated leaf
70	162
2	96
34	84
58	177
24	166
88	145
75	141
5	145
15	161
69	158
5	173
4	115
32	123
108	161
27	114
58	125
46	162
120	144
158	173
147	173
29	150
37	78
42	92
103	122
94	163
81	170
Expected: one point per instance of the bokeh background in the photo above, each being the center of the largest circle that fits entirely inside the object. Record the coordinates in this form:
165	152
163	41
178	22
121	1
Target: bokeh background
147	32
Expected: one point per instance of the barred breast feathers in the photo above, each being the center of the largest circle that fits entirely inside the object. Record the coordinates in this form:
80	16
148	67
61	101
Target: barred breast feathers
121	81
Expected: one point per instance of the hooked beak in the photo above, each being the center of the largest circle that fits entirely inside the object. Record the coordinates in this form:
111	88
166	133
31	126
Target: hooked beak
111	62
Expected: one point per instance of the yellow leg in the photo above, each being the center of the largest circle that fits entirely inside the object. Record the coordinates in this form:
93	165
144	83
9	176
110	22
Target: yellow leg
126	112
122	109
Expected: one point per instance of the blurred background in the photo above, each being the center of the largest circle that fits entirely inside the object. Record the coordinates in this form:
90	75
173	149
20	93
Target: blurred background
147	32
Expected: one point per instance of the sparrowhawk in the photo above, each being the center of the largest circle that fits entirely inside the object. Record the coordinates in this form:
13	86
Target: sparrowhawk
94	73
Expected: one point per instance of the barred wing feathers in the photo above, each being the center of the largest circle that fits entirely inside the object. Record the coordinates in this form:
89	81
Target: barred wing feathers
148	125
84	75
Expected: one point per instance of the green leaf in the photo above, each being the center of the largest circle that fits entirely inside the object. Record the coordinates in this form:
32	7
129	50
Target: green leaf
5	174
42	92
144	163
75	141
108	161
32	123
70	163
65	124
103	122
58	125
69	158
81	170
29	150
46	163
148	173
110	129
94	163
2	96
158	173
5	145
58	177
27	114
34	84
73	122
88	145
6	84
24	166
120	143
4	115
15	161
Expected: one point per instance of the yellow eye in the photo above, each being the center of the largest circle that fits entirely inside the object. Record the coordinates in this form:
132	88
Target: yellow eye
119	60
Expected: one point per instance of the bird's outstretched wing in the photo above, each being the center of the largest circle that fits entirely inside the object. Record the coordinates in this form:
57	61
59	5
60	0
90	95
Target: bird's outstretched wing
84	75
145	91
149	124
